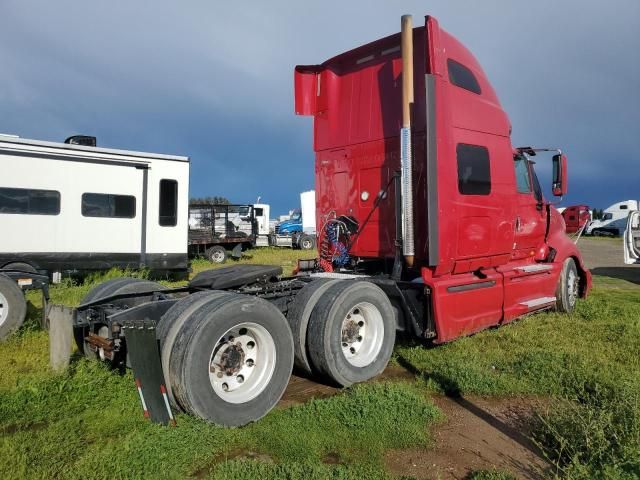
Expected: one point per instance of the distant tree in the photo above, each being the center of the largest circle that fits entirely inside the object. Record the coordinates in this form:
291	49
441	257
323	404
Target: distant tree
209	201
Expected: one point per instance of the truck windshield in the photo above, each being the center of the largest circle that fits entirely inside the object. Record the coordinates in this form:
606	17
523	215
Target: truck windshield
296	215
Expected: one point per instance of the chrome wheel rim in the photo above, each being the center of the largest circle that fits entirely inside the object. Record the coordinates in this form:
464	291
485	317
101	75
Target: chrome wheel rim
242	363
362	334
4	309
572	287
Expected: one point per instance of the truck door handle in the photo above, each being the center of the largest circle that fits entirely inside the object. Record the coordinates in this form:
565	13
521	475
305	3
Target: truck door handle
517	224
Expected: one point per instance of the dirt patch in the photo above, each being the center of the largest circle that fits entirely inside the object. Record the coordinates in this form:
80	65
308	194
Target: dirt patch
479	433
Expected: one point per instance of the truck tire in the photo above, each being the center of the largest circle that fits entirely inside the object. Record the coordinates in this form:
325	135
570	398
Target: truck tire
307	242
170	324
216	254
231	359
114	286
351	332
13	307
568	287
298	318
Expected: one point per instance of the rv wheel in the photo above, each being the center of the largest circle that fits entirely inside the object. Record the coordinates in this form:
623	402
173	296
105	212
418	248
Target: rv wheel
216	254
351	332
231	359
568	287
114	286
307	242
13	306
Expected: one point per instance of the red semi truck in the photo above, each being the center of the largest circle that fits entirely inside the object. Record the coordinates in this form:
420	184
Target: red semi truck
576	217
429	221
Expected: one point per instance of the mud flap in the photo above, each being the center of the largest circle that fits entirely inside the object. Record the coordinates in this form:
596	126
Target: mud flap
144	357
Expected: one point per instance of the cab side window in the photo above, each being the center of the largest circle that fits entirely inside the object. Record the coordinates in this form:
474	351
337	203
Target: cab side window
474	169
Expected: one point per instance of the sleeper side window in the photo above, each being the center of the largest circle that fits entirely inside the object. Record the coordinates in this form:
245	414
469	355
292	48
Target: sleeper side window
107	205
29	201
168	203
523	180
474	171
462	77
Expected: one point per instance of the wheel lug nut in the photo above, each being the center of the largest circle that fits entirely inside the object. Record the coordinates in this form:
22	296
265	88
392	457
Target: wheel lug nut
345	344
250	345
250	363
359	338
361	323
240	379
352	350
220	374
225	387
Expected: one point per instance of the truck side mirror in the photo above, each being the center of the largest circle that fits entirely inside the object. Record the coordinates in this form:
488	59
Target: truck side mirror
559	182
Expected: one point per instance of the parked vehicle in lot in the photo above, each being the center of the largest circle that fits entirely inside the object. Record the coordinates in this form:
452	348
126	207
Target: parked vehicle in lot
68	208
614	219
632	238
15	279
430	222
576	217
299	231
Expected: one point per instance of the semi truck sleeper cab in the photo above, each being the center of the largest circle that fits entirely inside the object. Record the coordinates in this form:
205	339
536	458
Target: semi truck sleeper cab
428	220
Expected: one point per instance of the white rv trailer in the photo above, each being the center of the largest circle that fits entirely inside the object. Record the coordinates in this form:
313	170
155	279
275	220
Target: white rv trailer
614	219
76	208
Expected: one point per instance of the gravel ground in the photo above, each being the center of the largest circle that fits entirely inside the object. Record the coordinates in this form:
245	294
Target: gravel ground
603	256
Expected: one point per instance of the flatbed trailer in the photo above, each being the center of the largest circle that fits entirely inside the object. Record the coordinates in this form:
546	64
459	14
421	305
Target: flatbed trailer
429	222
216	229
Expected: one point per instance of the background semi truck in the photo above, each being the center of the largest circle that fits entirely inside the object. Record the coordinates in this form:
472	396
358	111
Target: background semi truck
429	220
614	219
299	231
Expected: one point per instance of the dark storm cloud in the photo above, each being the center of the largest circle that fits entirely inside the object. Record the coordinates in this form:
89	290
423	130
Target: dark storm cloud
214	81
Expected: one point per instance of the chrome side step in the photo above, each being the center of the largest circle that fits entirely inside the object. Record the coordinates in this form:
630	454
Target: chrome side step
537	302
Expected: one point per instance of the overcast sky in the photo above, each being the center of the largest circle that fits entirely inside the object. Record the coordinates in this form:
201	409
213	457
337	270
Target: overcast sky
214	80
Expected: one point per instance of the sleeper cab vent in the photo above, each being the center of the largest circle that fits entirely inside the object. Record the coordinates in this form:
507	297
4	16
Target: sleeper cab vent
84	140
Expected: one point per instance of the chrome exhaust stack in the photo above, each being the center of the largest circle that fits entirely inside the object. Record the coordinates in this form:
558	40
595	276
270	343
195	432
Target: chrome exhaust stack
406	159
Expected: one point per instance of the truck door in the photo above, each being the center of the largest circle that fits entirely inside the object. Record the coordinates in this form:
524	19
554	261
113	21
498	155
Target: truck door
530	217
632	239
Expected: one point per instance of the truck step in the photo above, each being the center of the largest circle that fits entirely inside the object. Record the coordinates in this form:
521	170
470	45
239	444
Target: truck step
540	267
538	302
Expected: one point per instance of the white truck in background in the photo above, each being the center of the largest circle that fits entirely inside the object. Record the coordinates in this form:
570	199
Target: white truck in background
614	220
299	231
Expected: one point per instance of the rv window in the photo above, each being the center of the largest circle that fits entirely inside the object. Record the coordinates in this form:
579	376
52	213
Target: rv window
474	173
523	181
624	207
462	77
168	203
108	206
259	212
28	201
607	216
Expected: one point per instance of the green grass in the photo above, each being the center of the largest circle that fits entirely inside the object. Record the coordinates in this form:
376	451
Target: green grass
543	354
75	426
86	423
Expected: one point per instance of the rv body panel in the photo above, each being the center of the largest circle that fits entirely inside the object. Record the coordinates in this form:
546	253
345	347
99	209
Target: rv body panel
104	207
